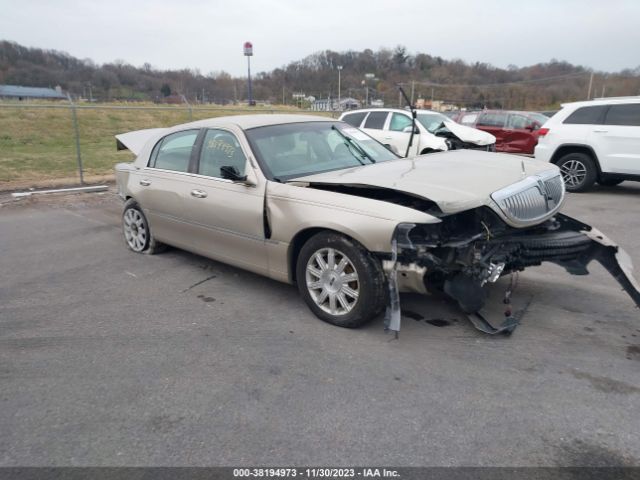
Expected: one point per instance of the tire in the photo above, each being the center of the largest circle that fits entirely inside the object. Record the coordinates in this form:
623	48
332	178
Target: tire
610	182
136	231
322	287
578	171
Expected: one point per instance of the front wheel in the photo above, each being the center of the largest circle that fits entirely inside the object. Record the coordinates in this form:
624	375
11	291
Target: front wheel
341	282
578	171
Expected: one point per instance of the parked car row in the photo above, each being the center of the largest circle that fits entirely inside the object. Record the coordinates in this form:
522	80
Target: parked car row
434	131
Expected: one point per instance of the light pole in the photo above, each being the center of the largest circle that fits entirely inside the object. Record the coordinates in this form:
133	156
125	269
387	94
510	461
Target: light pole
248	52
365	82
339	104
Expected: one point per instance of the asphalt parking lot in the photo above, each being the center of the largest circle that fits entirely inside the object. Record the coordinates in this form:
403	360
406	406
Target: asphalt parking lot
112	358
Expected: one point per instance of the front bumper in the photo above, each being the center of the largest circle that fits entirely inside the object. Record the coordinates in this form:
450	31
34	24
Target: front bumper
464	268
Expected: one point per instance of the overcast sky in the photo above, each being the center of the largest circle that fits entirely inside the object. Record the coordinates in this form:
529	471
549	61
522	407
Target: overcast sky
208	35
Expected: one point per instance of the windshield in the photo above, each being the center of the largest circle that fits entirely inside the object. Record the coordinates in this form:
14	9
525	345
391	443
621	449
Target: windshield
432	121
293	150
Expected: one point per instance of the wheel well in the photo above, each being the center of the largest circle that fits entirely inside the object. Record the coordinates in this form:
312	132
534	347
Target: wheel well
428	150
300	239
567	149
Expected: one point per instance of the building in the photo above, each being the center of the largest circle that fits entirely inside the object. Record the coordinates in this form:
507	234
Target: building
332	105
20	93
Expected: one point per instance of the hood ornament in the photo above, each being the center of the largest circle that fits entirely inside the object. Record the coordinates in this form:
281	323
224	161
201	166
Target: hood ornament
524	172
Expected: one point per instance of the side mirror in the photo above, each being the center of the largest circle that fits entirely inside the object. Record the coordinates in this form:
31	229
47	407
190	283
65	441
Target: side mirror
231	173
408	130
532	126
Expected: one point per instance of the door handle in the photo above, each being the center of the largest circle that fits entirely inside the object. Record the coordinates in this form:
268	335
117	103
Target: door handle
600	131
388	138
198	194
145	182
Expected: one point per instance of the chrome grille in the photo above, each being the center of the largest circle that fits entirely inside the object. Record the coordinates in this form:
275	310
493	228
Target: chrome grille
531	200
555	189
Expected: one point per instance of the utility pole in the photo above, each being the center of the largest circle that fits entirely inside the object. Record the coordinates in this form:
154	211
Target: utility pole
339	92
590	84
283	95
413	86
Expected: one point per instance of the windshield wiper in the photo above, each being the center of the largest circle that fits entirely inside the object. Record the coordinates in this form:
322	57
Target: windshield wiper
350	143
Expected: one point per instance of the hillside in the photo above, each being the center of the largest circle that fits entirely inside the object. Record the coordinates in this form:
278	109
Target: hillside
479	84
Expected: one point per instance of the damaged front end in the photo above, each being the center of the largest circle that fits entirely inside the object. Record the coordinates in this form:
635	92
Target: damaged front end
465	251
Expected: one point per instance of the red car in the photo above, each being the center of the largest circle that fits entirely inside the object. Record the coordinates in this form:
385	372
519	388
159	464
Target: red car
515	132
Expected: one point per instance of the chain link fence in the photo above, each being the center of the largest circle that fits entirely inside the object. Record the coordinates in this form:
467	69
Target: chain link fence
64	143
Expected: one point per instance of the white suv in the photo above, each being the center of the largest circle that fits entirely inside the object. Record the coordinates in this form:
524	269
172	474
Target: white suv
593	141
434	131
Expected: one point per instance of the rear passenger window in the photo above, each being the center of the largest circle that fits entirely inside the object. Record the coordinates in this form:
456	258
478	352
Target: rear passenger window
587	116
492	119
376	120
354	119
624	115
173	152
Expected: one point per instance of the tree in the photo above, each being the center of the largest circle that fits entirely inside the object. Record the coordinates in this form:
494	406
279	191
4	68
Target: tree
165	90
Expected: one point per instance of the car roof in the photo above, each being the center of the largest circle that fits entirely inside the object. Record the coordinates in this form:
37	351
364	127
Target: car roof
603	101
248	121
388	109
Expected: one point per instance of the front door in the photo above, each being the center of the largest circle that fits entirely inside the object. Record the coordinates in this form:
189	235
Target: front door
228	215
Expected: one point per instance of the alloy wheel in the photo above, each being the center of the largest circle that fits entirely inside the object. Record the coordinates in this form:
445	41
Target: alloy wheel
332	281
135	230
573	172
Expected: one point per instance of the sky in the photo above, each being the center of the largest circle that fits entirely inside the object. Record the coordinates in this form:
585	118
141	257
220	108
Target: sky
208	35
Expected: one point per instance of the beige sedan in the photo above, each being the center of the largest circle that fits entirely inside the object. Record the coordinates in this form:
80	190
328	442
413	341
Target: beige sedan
316	202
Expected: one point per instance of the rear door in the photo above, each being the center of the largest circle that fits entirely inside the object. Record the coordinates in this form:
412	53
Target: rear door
494	122
163	185
617	142
374	125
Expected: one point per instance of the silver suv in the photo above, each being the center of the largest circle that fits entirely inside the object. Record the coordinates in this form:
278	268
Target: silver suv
593	141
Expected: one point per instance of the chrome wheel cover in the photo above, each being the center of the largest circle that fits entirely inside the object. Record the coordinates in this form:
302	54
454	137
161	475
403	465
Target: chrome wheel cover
573	172
135	230
332	281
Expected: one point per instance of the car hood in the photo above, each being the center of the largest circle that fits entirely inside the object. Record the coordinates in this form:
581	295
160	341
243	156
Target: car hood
456	180
470	134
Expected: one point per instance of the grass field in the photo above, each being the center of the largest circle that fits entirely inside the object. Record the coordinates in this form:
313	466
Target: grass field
37	145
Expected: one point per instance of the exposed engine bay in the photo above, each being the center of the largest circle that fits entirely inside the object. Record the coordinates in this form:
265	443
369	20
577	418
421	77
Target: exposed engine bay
464	252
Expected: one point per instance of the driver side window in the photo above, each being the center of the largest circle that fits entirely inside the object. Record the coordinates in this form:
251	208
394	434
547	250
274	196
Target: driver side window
399	122
220	149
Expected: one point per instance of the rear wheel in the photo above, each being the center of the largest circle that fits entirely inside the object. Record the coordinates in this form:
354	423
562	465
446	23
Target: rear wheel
341	282
137	233
578	171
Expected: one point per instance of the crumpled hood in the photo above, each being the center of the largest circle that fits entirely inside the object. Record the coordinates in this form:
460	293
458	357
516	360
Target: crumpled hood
457	180
470	134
